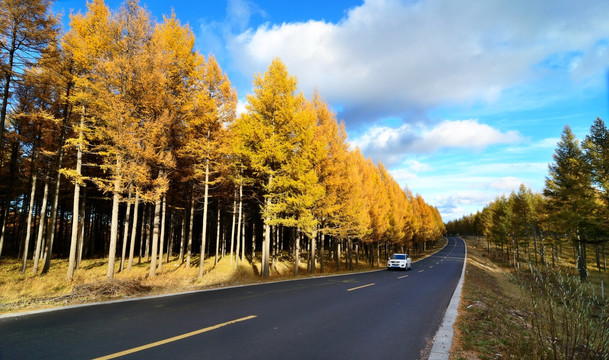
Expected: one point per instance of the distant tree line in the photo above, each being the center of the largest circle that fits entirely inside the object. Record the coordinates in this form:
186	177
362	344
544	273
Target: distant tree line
573	207
120	140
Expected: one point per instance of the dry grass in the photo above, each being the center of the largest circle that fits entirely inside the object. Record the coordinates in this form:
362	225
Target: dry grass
498	317
24	292
488	314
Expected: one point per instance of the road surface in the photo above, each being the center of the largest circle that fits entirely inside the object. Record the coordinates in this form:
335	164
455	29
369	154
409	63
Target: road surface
375	315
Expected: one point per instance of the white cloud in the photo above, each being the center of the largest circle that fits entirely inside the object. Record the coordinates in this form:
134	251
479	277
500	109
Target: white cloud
390	145
391	57
505	184
417	166
469	134
472	187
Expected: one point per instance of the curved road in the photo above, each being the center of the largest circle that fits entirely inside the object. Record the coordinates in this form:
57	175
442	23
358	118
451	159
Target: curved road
374	315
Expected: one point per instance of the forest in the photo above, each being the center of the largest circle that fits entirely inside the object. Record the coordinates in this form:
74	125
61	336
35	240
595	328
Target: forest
573	208
119	140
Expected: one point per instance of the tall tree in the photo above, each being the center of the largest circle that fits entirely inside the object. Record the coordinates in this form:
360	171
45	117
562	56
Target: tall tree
85	42
28	26
276	133
123	74
213	109
571	198
521	221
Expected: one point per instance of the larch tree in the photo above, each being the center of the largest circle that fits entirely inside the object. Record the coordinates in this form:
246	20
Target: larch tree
522	211
35	125
171	71
276	132
378	208
299	186
122	72
84	44
335	173
499	222
213	109
27	29
28	26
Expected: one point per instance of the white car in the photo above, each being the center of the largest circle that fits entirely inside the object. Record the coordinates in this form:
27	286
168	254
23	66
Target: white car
399	261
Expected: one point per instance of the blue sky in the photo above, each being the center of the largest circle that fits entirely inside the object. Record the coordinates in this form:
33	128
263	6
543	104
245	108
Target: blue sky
462	101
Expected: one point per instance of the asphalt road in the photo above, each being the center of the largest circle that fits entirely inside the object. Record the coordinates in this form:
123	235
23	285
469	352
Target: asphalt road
375	315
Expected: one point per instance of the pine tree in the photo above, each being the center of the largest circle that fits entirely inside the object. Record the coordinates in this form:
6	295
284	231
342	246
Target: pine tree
571	198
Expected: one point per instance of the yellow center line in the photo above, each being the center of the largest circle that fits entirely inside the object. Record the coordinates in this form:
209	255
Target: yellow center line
360	287
421	271
172	339
403	276
431	266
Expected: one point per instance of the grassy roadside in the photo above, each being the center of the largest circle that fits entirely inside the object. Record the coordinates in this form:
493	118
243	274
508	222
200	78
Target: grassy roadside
529	315
24	292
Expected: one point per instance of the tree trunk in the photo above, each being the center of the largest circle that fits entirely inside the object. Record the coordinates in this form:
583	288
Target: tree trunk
266	241
171	235
190	225
253	241
232	232
162	232
542	251
51	226
133	229
604	259
338	241
182	238
296	253
204	225
313	245
29	223
243	241
239	223
76	200
155	237
308	245
81	228
378	254
581	260
217	235
238	244
143	232
275	242
223	242
41	224
321	252
114	223
149	234
125	233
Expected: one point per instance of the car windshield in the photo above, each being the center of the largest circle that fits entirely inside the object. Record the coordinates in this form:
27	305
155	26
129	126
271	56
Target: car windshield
399	257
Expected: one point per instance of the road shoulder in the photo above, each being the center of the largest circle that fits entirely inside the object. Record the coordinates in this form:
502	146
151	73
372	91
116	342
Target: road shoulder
444	337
